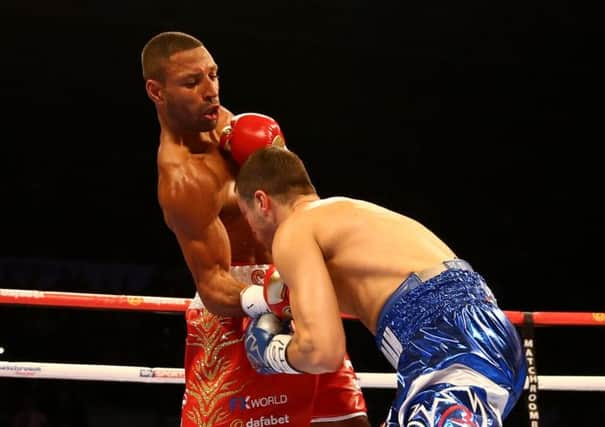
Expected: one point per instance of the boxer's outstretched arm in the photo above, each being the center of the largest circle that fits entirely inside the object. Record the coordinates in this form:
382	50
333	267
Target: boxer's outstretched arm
318	344
190	202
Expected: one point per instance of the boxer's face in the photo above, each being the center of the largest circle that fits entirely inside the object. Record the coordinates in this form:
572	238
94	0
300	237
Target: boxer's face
191	90
259	222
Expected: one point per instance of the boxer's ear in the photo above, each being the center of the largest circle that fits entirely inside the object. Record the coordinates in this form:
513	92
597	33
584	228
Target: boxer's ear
263	201
154	91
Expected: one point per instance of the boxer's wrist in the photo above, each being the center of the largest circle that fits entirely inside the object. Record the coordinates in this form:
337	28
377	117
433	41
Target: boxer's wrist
253	302
276	354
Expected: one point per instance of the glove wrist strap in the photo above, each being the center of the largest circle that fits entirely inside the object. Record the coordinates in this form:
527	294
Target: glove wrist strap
253	302
276	357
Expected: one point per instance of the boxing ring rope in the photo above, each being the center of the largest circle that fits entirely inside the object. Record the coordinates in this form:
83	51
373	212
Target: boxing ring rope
172	305
527	321
140	374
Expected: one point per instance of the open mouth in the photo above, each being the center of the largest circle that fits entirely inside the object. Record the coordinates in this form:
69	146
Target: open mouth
211	113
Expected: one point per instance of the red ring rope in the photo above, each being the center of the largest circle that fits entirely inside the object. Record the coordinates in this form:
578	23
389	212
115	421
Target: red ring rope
148	303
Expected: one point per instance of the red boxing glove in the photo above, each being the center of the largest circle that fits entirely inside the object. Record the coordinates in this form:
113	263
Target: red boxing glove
276	294
249	132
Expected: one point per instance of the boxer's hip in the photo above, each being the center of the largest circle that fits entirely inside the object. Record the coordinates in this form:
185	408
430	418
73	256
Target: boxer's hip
212	336
432	322
423	298
249	399
221	384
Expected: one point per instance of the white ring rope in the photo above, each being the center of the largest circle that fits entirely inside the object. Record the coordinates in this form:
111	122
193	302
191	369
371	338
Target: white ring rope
140	374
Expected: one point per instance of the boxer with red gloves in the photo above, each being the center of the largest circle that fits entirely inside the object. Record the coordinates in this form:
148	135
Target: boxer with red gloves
195	191
246	133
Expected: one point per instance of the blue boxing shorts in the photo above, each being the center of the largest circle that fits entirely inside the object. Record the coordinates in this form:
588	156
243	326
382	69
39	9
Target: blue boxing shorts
459	359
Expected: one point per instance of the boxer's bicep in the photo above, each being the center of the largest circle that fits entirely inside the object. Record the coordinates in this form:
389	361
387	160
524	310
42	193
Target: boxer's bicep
189	197
319	343
190	200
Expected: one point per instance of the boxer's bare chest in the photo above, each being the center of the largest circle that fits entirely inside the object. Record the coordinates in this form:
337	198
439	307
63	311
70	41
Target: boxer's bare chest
244	246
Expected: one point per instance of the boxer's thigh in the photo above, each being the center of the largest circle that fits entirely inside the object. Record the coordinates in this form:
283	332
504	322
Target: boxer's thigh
445	405
339	400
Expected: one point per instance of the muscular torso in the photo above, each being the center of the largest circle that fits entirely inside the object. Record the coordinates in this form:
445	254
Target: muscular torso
245	249
369	251
195	191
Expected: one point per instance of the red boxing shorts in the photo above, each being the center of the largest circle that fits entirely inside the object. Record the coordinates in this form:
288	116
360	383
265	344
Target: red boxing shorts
223	390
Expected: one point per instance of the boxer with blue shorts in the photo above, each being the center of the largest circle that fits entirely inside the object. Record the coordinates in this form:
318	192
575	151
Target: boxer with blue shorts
459	359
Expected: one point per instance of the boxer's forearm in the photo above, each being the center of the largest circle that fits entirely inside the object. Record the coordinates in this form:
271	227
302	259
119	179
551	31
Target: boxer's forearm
224	295
220	292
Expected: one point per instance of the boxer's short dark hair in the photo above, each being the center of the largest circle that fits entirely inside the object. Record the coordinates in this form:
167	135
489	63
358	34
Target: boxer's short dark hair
158	50
275	170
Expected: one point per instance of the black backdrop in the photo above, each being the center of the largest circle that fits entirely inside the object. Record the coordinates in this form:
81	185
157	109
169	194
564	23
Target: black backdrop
481	120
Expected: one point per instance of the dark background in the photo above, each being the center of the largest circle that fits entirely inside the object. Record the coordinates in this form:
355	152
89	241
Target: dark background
482	120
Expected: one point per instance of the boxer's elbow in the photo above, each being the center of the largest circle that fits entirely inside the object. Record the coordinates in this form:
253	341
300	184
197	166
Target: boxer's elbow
219	302
220	292
326	362
324	357
216	307
331	362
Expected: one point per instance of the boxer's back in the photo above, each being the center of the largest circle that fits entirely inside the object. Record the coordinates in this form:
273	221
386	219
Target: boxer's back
347	230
